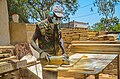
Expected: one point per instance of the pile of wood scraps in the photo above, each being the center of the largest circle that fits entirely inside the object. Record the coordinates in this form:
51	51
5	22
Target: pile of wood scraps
8	62
18	63
11	63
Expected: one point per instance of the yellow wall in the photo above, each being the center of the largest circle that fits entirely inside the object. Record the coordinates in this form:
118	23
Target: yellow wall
21	32
30	28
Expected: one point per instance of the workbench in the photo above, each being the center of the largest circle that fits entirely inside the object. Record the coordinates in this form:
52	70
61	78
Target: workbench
100	55
90	64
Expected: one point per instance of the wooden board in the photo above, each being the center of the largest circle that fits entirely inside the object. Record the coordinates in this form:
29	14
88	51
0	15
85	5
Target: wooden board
5	67
18	63
94	64
7	59
96	47
7	47
5	55
89	64
95	42
11	63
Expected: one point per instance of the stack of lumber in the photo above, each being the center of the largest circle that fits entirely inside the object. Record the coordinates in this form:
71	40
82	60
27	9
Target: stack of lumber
107	38
67	37
83	36
71	34
92	35
74	32
9	62
6	51
102	32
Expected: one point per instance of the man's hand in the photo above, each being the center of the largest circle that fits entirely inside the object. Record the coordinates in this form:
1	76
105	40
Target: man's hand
65	55
44	55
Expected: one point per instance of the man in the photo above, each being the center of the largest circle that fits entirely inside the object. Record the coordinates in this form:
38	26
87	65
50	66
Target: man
49	35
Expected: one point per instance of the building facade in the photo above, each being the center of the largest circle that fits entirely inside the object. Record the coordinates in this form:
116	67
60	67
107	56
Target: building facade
75	24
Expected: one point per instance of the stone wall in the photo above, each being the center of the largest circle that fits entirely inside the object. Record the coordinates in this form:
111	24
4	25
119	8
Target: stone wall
4	23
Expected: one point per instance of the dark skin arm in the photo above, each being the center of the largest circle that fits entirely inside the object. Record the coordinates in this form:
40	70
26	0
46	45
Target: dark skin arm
35	46
33	43
62	45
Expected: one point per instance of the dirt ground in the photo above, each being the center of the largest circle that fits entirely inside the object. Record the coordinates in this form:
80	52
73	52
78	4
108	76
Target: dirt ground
101	76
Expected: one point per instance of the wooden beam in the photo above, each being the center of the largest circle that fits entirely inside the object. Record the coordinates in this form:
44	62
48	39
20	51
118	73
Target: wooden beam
5	55
96	47
95	42
11	65
18	63
7	47
9	58
104	47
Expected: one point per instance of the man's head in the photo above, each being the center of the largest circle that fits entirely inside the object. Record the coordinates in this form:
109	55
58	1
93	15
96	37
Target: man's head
56	14
58	10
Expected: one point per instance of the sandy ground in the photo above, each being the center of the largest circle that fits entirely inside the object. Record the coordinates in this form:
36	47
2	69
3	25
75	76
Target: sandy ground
101	76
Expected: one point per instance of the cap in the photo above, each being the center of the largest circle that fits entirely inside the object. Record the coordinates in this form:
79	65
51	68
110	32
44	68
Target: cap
58	10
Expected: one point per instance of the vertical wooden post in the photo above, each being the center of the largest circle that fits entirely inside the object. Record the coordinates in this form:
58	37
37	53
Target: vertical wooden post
118	66
97	76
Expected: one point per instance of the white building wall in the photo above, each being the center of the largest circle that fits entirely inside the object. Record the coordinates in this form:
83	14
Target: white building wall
81	25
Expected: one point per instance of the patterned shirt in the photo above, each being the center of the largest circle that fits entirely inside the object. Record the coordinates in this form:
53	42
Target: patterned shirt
48	38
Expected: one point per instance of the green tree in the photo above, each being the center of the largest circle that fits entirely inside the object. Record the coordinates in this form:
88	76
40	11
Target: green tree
98	27
113	24
107	9
117	28
17	7
39	9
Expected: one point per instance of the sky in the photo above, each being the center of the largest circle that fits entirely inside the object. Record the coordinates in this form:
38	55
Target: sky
83	14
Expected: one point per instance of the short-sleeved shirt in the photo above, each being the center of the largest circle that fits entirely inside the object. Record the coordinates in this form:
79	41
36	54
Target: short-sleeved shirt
48	38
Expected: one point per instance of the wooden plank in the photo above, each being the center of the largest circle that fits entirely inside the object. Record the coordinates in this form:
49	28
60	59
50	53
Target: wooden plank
69	75
12	64
95	47
99	62
5	50
18	63
9	58
7	47
5	67
5	55
94	64
92	52
95	42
